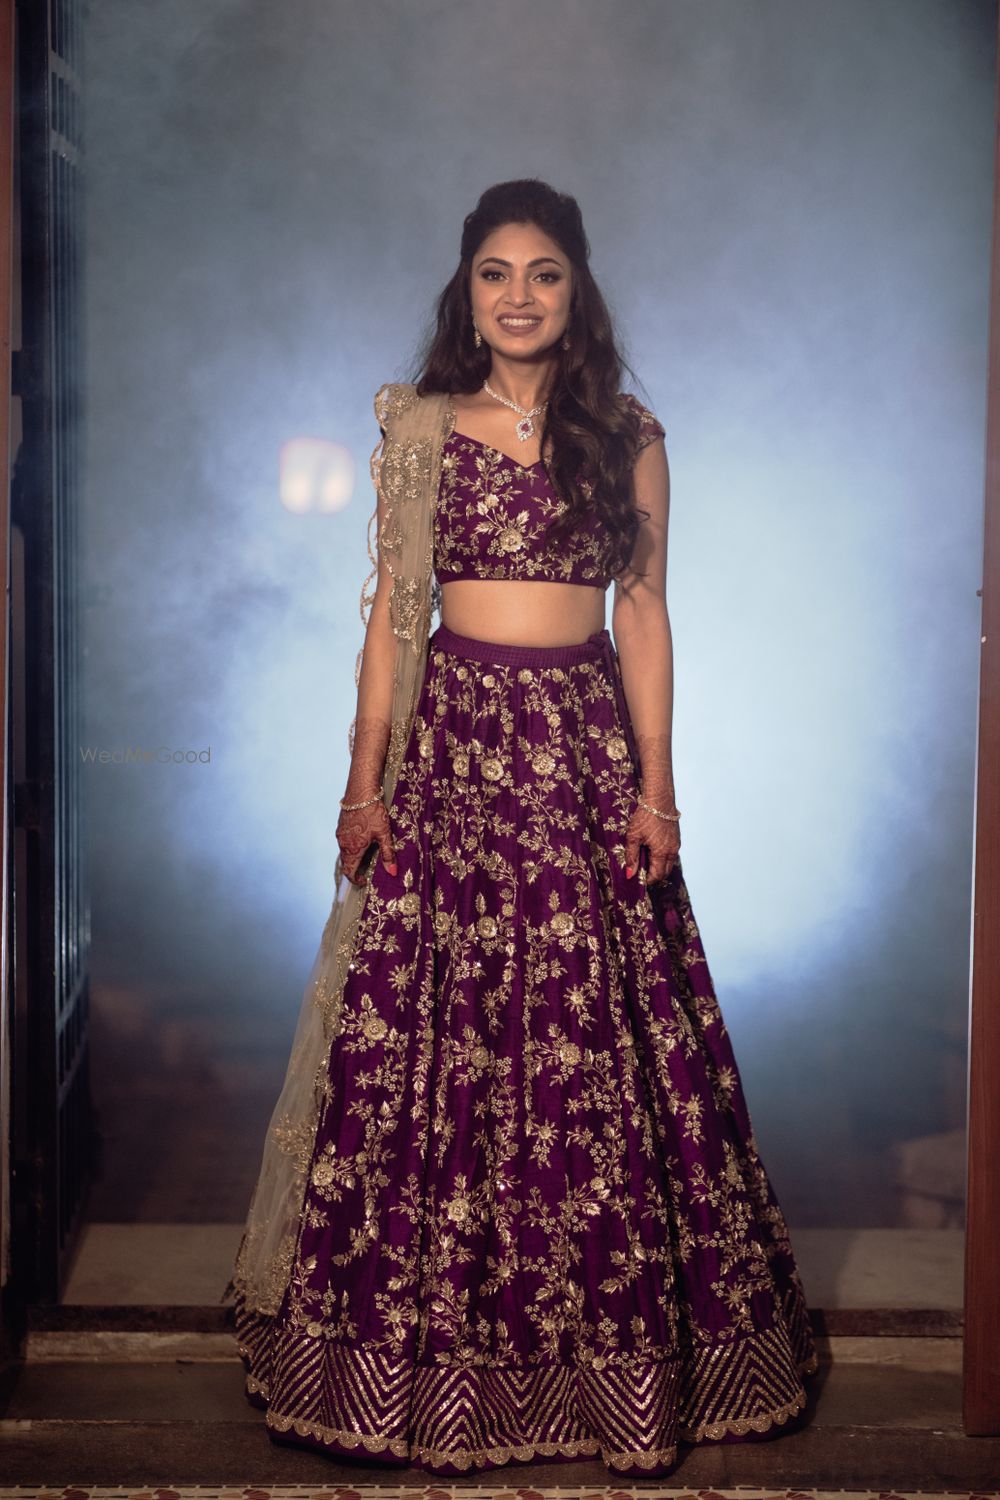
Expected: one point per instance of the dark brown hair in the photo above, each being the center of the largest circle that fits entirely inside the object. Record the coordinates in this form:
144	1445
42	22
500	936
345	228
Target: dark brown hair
594	434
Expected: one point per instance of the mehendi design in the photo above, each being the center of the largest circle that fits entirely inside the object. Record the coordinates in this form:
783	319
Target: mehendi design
358	828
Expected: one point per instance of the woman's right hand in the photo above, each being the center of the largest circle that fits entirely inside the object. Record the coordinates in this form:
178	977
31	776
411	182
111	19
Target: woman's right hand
357	831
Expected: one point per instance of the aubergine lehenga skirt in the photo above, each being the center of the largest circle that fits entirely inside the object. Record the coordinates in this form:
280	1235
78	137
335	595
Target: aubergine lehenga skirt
536	1225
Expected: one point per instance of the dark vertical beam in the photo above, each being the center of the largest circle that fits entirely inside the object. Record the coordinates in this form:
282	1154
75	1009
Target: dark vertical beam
981	1376
53	1120
6	319
36	1151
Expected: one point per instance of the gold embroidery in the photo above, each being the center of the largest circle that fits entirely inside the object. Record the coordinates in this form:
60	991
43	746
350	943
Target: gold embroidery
427	1414
506	537
413	432
465	1458
418	1064
414	1071
391	401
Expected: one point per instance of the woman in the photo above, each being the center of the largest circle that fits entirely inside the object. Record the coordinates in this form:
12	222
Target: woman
517	1210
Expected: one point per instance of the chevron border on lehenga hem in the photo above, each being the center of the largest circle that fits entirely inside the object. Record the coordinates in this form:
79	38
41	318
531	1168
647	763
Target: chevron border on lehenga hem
444	1417
465	1458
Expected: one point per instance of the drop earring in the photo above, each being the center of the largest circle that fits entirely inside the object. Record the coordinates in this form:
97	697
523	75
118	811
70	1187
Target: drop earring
477	335
565	341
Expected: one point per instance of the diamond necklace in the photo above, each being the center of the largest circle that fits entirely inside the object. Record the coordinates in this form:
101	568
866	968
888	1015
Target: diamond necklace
526	427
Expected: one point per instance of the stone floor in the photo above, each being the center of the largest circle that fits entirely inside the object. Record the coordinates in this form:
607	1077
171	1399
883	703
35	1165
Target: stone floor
134	1381
885	1415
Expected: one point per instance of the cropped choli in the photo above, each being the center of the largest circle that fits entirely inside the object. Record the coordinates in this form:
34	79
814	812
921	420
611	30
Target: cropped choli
492	514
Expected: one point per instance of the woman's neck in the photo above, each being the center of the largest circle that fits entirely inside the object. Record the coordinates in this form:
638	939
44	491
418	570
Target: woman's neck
527	384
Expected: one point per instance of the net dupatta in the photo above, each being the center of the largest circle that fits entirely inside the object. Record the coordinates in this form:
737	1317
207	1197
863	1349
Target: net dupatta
405	469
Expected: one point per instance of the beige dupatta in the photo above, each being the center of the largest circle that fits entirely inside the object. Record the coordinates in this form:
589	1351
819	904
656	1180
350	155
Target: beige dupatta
405	469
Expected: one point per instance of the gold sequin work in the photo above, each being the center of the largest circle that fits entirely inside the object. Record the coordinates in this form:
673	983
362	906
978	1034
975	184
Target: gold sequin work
493	514
536	1224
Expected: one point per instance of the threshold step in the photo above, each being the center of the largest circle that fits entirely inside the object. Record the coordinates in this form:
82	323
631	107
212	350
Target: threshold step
170	1454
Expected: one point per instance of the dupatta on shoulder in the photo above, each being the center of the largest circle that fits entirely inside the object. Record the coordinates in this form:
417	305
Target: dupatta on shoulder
405	470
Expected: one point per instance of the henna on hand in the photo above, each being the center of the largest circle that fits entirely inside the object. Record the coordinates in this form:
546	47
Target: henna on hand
661	837
657	771
357	830
369	746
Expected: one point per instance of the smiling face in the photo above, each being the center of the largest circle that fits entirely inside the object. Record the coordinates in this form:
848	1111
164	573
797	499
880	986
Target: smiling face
521	287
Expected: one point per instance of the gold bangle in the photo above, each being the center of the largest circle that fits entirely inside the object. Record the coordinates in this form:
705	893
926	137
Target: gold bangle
673	817
355	806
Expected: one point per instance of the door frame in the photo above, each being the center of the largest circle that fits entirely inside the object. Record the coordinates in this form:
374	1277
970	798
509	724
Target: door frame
8	1330
981	1365
981	1368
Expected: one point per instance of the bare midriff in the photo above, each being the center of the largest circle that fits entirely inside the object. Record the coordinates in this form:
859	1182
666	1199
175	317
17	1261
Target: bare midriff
522	612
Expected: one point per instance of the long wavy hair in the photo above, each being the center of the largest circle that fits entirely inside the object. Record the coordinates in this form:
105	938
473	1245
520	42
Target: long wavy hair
594	434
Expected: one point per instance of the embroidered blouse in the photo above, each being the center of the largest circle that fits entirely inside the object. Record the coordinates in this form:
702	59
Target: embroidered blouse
492	515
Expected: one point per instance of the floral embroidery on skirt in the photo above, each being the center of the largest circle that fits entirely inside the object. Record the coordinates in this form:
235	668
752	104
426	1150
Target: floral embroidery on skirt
536	1224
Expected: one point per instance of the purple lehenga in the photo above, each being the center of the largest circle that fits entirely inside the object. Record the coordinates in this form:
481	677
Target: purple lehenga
536	1224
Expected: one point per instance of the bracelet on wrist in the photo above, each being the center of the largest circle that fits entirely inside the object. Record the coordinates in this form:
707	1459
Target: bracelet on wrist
355	806
668	817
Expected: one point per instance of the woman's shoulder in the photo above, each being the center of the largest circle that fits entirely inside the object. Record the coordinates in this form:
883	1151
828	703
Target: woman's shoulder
392	399
649	426
398	397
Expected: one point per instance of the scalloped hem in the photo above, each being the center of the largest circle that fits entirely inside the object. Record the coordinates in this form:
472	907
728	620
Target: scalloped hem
639	1406
374	1450
764	1424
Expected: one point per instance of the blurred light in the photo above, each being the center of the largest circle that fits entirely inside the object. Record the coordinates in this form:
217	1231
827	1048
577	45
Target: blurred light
315	475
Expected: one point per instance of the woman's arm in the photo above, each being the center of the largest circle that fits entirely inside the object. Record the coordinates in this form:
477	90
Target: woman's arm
641	627
373	721
357	830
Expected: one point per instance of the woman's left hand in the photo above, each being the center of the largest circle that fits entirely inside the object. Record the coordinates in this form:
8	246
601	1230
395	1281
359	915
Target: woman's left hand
661	837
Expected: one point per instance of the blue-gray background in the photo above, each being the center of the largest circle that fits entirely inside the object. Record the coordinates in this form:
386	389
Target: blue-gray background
789	210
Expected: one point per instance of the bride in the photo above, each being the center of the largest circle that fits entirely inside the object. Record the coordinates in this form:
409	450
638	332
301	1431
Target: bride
511	1205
